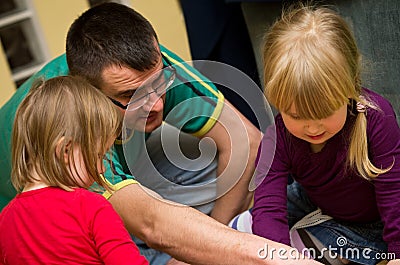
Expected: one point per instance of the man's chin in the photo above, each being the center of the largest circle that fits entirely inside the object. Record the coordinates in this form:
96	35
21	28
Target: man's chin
151	127
144	123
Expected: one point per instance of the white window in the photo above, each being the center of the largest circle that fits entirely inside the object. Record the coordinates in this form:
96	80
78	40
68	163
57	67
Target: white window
21	39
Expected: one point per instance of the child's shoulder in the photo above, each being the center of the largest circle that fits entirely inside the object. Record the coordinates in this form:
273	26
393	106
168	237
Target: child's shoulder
381	118
383	104
89	196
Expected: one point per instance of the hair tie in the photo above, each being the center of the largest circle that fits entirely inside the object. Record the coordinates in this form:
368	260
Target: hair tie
360	107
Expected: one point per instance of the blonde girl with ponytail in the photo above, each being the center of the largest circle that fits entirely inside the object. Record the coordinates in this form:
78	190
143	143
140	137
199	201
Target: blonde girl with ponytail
337	141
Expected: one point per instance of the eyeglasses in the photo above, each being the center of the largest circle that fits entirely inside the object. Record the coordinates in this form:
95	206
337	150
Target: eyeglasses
158	84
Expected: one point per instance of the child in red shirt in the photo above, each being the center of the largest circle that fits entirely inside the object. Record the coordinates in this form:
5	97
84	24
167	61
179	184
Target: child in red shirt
61	134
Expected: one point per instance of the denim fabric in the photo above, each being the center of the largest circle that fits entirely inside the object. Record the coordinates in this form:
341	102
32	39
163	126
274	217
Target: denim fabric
154	257
359	243
298	203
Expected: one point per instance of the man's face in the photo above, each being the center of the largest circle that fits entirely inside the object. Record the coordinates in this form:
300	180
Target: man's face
120	83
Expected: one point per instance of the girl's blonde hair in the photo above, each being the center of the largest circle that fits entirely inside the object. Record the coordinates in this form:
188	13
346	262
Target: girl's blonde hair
61	111
311	60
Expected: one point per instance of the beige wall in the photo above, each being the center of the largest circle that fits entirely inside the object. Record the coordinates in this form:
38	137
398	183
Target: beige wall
55	17
168	21
7	86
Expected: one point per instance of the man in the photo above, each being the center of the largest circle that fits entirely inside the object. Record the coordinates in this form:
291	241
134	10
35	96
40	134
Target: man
117	50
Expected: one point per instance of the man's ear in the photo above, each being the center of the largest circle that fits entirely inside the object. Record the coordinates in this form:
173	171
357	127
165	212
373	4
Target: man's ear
63	148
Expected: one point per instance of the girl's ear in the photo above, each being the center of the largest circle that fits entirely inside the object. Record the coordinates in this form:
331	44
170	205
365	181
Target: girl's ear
63	148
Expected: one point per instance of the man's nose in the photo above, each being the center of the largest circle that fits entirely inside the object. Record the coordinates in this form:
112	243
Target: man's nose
154	102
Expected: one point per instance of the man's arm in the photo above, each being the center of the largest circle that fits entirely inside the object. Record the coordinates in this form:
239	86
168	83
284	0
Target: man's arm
191	236
237	141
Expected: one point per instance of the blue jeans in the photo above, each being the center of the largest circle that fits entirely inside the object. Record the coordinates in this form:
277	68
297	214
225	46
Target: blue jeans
154	257
360	243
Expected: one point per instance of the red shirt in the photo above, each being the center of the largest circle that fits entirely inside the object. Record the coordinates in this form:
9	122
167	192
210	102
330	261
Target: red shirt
54	226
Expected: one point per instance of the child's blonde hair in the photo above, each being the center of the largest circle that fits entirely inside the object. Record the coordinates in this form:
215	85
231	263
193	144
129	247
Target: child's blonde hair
61	111
311	60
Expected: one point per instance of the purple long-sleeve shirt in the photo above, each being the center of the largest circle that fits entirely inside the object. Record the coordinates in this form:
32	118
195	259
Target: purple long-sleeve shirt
338	192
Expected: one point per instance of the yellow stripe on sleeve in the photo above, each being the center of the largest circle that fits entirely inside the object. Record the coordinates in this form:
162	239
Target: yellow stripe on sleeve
217	111
196	77
213	119
119	186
